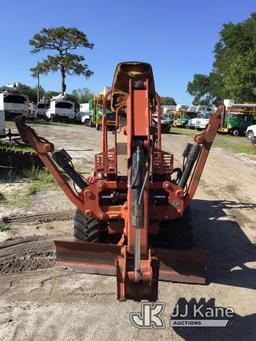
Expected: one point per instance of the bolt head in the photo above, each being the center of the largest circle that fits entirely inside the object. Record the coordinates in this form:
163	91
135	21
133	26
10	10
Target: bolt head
179	193
100	185
166	185
88	194
101	216
88	213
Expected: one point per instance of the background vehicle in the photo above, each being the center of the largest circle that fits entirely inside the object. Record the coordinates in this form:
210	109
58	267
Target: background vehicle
42	107
183	114
170	116
60	109
168	108
237	117
95	109
13	104
166	123
83	115
202	121
251	131
192	123
2	122
181	120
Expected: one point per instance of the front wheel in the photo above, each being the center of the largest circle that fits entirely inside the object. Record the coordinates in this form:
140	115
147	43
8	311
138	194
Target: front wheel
166	129
97	126
86	123
235	132
249	134
85	229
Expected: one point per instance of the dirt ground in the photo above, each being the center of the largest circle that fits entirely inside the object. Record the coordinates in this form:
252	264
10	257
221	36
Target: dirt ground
40	302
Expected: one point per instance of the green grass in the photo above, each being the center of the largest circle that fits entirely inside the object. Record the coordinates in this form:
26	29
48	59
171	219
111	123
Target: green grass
17	148
4	227
11	124
39	180
32	181
235	144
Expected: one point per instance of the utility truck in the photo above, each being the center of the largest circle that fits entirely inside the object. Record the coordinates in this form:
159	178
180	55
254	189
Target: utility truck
237	117
13	104
83	115
60	109
42	107
183	114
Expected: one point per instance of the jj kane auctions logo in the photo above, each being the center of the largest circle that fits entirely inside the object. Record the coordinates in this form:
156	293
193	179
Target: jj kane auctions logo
185	314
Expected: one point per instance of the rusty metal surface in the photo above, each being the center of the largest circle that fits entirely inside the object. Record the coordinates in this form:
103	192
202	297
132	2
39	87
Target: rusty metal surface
184	266
129	286
205	139
90	258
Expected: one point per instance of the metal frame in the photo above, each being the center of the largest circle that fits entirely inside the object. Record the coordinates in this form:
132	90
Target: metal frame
136	265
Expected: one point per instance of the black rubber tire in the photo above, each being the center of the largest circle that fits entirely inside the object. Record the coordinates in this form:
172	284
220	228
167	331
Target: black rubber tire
235	132
97	126
90	123
249	134
85	229
166	130
177	233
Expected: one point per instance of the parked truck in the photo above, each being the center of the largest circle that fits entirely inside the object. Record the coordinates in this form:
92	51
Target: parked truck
2	122
238	117
183	114
42	107
13	104
60	109
83	115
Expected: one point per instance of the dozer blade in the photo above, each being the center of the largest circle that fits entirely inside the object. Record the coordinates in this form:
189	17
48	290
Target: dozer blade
184	266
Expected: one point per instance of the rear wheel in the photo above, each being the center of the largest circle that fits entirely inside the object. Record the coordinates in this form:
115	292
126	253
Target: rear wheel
85	229
166	129
86	123
177	233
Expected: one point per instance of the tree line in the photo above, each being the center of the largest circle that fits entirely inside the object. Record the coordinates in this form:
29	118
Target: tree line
233	73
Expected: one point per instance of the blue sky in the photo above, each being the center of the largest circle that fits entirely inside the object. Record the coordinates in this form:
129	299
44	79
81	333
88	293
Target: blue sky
176	36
